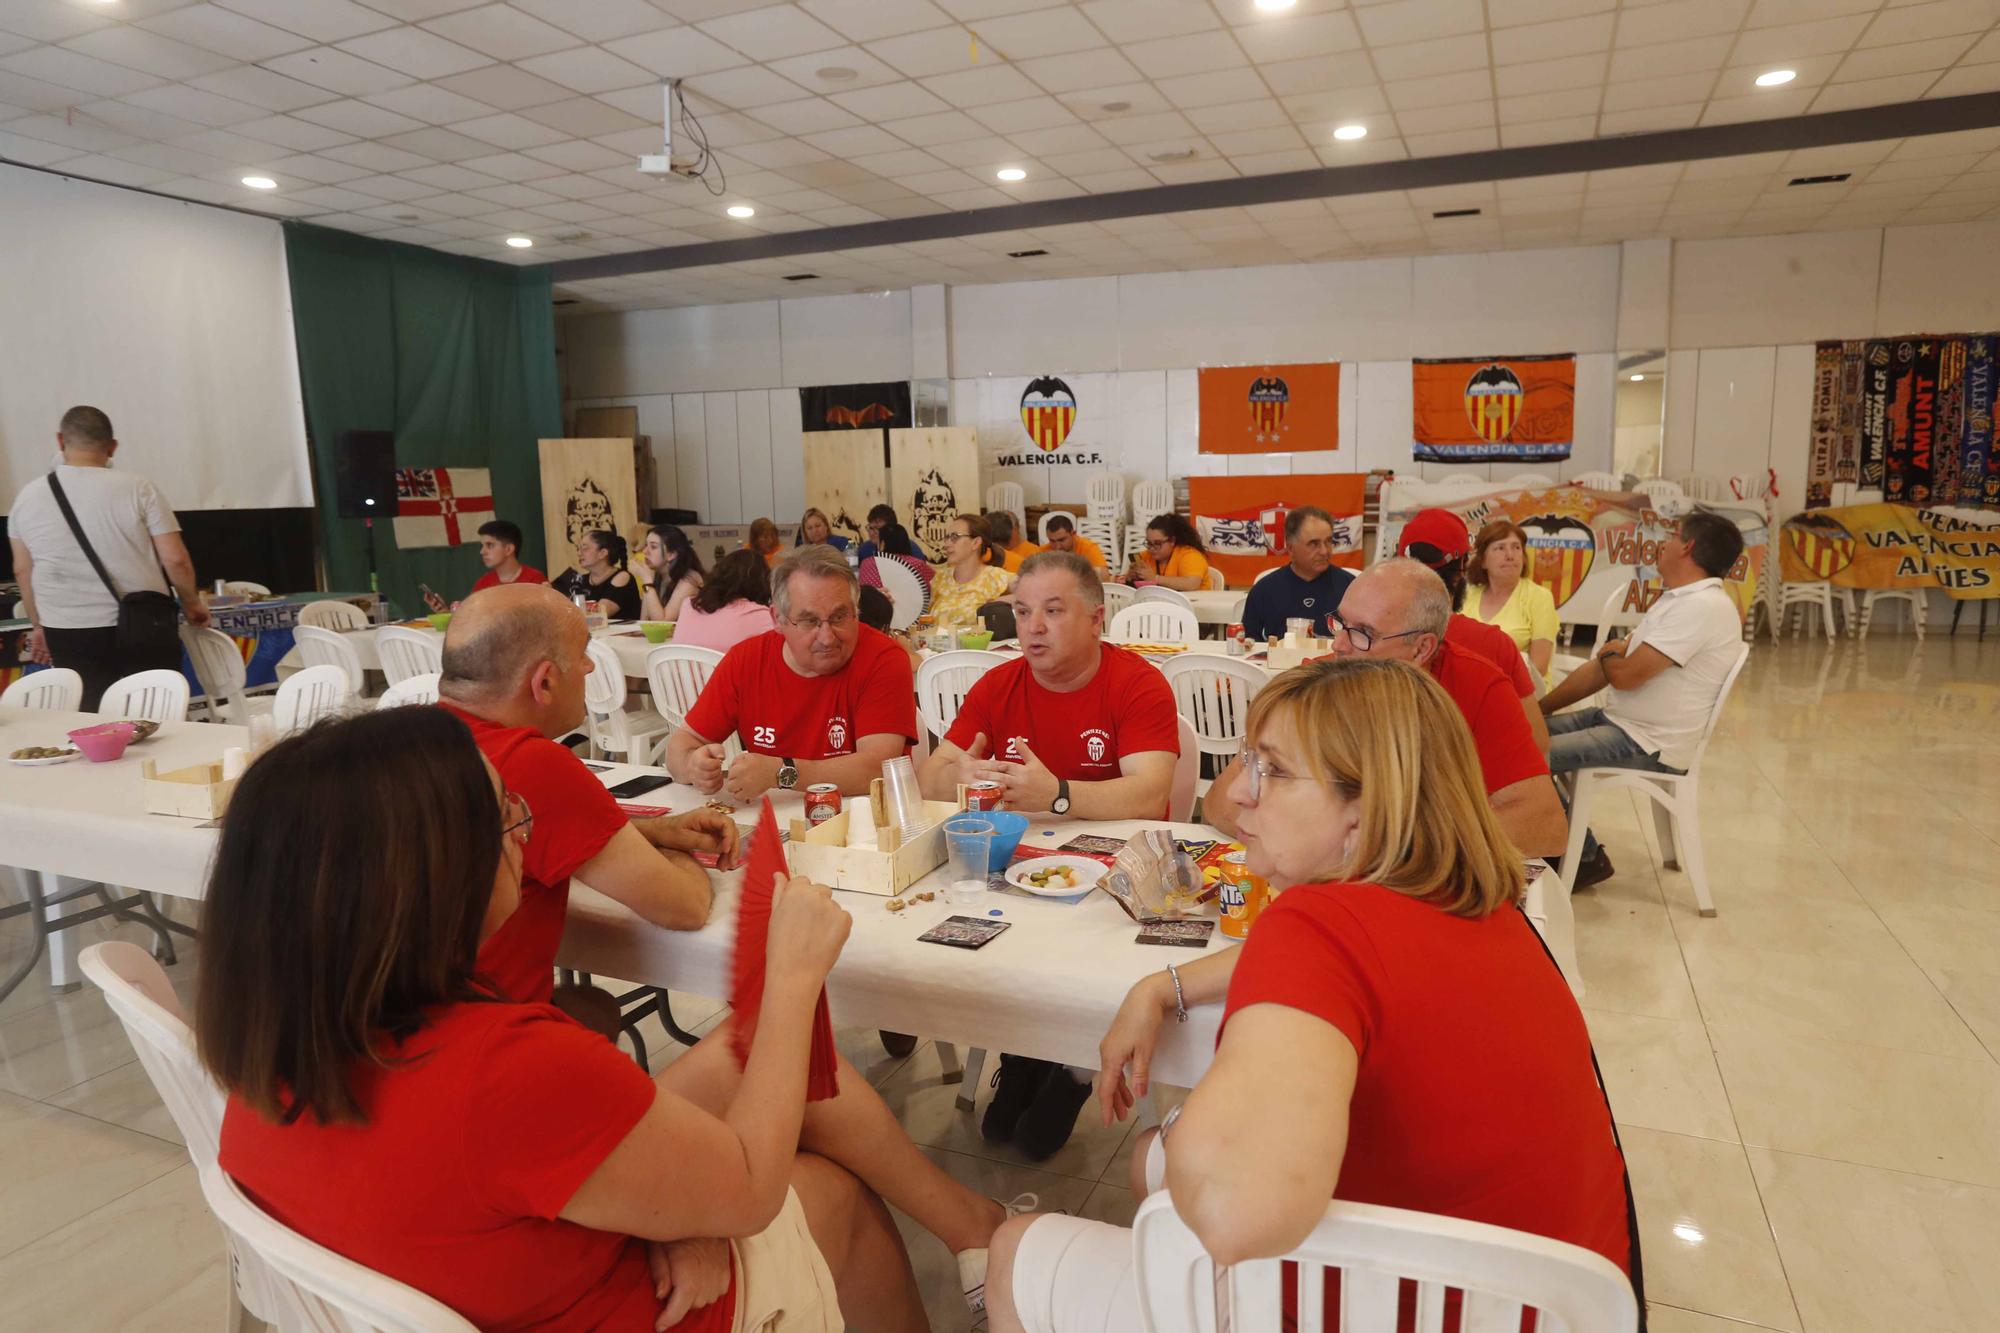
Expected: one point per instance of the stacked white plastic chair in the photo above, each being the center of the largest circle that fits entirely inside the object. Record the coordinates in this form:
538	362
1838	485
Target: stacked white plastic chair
1913	598
1008	496
1594	481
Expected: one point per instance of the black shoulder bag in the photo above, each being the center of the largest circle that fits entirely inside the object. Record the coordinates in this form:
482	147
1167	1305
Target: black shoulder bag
148	622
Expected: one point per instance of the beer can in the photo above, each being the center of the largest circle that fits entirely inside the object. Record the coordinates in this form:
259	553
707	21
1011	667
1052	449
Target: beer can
983	796
822	802
1241	895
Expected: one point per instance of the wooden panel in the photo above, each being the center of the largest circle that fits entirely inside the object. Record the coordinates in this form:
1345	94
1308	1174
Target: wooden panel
605	422
586	484
933	475
844	476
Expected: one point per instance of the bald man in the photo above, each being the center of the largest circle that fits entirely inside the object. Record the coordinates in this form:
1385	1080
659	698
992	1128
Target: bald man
514	662
1399	609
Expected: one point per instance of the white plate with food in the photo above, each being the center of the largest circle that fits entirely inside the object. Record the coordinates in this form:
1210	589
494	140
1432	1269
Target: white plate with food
38	756
1056	876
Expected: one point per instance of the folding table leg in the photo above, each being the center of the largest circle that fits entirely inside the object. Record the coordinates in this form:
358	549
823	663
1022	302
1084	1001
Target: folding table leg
968	1091
63	974
38	931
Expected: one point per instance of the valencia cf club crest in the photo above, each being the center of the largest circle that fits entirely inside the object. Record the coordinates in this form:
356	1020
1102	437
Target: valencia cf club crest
1493	401
1096	744
1820	544
1268	396
1048	411
1560	552
836	734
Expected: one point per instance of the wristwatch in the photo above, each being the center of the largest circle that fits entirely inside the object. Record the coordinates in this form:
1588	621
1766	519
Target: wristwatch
1060	805
788	774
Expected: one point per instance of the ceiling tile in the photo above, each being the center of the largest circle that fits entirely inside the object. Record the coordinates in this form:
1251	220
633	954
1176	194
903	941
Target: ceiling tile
213	28
1632	94
807	116
513	167
981	87
321	20
358	119
1431	60
332	196
773	32
1044	32
976	153
321	170
1297	38
870	20
76	71
1967	79
416	11
1243	143
337	71
1061	139
502	32
576	155
583	117
447	175
676	54
1771	104
113	171
1508	13
1262	113
1679	20
62	130
891	102
924	131
1542	106
1902	58
504	86
508	130
1091	163
1137	20
1083	69
1650	119
1945	18
148	52
597	20
1032	113
1414	94
412	51
1569	129
1873	92
429	103
1128	130
901	164
1550	41
302	135
1416	20
47	20
261	87
1194	53
513	196
1693	56
1216	88
850	68
375	157
855	142
1793	40
195	105
588	69
1544	76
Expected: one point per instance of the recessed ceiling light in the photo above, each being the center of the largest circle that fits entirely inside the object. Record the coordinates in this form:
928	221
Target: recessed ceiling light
1011	174
1275	6
742	211
1773	78
1637	378
260	182
520	242
835	74
1351	132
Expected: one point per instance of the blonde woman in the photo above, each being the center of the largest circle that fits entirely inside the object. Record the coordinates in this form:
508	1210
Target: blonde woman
815	529
1499	592
1390	998
966	582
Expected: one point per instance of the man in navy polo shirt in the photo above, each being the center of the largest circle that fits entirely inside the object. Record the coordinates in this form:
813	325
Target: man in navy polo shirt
1309	588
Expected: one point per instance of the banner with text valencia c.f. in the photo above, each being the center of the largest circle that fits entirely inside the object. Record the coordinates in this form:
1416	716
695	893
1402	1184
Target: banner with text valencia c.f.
1270	409
1894	546
1512	409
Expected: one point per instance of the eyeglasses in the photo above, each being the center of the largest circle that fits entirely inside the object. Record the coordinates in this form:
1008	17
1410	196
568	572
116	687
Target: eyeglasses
517	816
1159	543
1257	770
1362	637
813	624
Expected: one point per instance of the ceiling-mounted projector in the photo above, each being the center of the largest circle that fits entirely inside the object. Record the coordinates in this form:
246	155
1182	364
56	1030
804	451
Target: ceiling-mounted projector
663	162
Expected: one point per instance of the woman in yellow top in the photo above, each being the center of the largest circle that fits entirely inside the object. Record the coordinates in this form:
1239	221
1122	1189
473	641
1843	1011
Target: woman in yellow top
1173	557
1498	592
965	582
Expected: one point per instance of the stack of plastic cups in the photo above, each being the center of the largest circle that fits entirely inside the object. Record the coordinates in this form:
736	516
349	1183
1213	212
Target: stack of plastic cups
906	802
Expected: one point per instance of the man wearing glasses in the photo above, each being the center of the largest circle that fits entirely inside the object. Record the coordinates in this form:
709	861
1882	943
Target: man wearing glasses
1309	588
821	698
1399	609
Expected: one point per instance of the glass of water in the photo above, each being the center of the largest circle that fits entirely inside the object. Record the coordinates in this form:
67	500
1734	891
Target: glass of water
968	849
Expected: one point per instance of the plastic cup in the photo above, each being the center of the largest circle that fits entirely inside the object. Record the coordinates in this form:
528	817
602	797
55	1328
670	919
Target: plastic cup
263	731
968	848
906	802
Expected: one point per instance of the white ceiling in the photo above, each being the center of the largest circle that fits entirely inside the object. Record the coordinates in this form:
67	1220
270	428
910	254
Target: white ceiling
454	125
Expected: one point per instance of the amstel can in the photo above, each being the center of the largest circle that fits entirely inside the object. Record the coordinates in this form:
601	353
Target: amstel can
822	802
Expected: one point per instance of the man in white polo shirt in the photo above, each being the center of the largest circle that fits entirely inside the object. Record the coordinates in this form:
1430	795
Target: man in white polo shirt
1664	677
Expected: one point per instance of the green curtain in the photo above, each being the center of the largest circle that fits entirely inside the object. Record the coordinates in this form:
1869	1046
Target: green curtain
454	355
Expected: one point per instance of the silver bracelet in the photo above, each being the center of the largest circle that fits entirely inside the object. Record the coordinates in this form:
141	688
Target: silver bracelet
1180	999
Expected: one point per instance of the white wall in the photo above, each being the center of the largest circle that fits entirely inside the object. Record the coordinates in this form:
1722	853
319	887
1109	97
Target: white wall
1738	318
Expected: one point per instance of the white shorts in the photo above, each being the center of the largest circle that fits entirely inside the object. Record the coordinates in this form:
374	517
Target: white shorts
782	1282
1076	1276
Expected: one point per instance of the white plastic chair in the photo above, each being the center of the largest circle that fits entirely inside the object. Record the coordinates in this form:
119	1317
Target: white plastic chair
309	695
1153	621
323	647
1213	694
1667	497
218	665
1187	769
137	991
1460	483
1263	574
1676	808
1533	481
678	672
1215	579
1541	682
1106	495
1802	596
1042	525
1910	597
1594	481
333	615
1616	615
1156	592
56	689
414	690
1150	499
244	588
612	729
1109	534
1376	1249
1702	490
944	680
1008	495
407	652
1117	596
157	696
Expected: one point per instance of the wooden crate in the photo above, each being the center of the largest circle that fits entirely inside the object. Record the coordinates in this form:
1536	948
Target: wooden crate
820	852
199	792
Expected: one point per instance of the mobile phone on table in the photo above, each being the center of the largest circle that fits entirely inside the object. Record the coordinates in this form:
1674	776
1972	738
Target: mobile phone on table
640	785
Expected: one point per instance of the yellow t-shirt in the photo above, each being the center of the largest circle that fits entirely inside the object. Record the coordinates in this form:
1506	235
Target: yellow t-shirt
1090	551
955	605
1184	563
1527	615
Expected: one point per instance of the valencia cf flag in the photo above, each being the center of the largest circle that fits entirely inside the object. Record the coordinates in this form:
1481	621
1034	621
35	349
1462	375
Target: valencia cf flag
1514	409
855	406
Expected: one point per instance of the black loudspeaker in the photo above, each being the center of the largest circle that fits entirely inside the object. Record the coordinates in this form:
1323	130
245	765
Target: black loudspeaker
364	474
680	518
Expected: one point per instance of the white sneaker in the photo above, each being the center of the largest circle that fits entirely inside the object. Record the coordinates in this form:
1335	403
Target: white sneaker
972	1263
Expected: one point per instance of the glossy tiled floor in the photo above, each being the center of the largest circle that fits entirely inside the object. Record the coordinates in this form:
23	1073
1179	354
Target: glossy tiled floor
1806	1084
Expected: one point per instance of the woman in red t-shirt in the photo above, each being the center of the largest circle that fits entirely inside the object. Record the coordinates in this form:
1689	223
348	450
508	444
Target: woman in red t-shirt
1394	1032
384	1102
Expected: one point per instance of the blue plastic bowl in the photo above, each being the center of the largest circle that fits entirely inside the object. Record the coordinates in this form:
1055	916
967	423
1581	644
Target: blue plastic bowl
1007	830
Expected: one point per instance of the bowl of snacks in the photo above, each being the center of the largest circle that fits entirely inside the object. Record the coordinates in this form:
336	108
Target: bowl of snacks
104	742
142	728
657	631
975	638
440	620
1008	826
1056	876
34	756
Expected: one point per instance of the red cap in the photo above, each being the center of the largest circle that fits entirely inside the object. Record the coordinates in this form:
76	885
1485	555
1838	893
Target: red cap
1439	528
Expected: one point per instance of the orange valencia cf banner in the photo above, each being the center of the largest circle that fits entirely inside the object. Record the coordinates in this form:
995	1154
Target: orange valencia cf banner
1504	409
1270	409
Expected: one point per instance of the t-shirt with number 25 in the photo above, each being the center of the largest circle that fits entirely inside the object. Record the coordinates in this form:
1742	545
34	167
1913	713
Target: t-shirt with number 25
776	711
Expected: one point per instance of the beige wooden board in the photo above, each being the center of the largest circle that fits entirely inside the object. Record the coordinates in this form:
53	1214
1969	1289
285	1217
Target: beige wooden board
845	477
600	423
933	476
586	485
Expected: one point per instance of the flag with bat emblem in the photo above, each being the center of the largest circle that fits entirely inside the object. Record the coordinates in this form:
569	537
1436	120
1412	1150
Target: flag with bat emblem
1048	411
1560	552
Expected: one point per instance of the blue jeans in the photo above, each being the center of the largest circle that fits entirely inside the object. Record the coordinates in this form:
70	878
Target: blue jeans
1585	738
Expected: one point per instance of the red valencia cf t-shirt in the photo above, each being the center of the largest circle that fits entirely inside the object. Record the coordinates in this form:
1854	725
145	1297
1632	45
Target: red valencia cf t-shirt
528	574
575	815
1483	1111
1507	751
479	1130
1494	644
776	711
1125	709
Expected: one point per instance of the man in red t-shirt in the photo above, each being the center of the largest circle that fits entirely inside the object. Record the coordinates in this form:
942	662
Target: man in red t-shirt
499	545
514	663
1077	727
1399	609
1437	539
821	698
